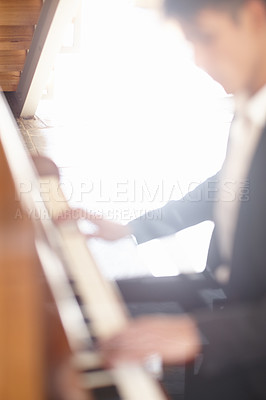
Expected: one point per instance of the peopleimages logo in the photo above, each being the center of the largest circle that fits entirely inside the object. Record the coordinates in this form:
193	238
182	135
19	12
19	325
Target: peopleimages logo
133	191
128	198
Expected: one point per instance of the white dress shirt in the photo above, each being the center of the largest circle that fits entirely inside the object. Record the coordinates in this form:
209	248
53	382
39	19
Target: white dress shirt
247	126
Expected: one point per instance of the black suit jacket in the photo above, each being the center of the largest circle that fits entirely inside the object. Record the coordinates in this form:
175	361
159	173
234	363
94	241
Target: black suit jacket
237	333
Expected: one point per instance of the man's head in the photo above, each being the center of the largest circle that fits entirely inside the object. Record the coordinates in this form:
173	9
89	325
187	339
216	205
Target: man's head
229	38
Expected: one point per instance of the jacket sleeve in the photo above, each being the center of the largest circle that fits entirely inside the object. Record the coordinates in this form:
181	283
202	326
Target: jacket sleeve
236	337
195	207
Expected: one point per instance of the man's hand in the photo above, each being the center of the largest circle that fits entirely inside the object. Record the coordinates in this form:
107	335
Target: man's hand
174	339
104	228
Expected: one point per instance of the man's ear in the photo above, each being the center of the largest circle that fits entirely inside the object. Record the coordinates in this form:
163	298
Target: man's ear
256	10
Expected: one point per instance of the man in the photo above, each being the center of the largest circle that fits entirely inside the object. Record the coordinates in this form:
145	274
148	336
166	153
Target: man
229	38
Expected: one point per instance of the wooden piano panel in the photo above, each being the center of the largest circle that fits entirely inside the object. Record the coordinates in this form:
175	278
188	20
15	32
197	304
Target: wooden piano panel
34	351
33	347
21	331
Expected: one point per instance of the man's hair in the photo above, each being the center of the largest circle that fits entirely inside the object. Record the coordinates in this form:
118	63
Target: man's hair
189	8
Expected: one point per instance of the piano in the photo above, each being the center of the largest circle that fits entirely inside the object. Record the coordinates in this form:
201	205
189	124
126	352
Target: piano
54	302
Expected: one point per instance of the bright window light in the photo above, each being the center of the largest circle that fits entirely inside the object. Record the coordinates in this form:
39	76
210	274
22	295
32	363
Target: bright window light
145	125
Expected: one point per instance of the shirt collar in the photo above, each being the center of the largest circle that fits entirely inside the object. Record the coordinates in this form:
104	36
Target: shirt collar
254	108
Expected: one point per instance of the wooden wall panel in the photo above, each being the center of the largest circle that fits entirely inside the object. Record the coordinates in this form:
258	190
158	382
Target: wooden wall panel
9	80
19	12
12	60
15	37
17	24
